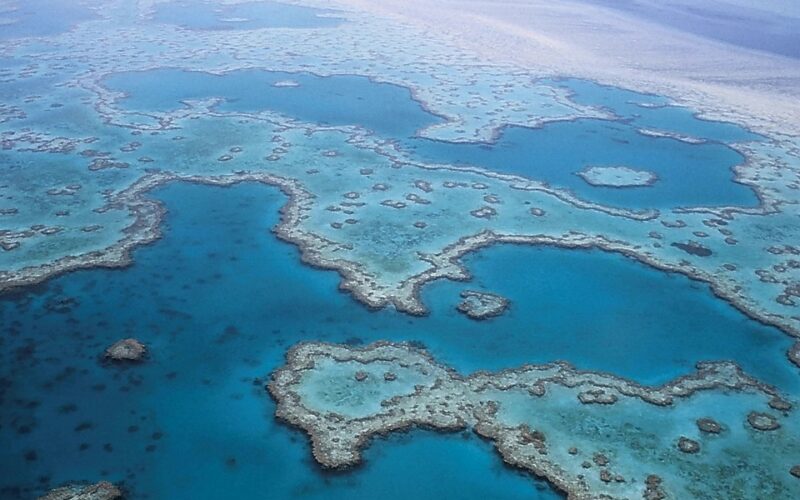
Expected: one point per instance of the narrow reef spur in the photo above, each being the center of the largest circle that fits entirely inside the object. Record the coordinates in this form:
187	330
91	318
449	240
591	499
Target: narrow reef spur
592	435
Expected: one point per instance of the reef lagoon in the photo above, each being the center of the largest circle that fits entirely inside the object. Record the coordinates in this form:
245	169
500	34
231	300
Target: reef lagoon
323	250
219	299
688	157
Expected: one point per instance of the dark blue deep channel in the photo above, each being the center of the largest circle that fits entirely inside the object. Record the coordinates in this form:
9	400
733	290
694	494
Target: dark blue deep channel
219	300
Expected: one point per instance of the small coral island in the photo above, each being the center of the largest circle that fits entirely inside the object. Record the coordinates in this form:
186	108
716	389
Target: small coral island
98	491
286	84
482	305
590	434
619	176
126	350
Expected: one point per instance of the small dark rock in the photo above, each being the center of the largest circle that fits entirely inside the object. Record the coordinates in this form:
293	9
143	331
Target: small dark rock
780	404
126	350
762	421
600	459
709	425
687	445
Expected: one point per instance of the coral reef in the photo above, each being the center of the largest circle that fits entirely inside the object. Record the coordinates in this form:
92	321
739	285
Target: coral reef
98	491
482	305
619	176
540	420
126	350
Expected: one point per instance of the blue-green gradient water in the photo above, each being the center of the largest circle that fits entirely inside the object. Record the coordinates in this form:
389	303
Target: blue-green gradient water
219	300
688	174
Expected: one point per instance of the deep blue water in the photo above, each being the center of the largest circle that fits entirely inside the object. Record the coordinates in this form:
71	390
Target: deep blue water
606	312
43	17
752	28
207	15
689	174
195	422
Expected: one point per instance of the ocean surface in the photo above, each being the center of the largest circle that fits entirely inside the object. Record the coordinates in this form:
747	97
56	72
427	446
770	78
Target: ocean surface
41	17
768	26
688	174
219	299
207	15
383	108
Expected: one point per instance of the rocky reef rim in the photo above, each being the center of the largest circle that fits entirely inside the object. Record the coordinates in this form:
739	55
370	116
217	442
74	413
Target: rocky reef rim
338	441
149	213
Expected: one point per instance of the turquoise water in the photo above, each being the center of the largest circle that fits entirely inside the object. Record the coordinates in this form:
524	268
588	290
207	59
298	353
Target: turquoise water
635	108
689	174
18	89
606	312
219	300
204	299
207	15
335	100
